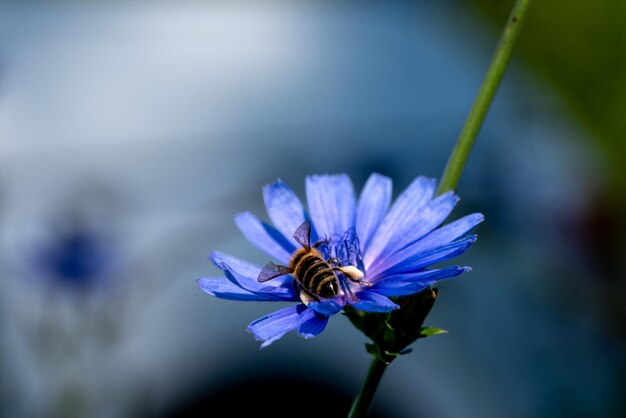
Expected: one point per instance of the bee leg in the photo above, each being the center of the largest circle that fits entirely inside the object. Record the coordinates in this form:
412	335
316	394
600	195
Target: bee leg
353	274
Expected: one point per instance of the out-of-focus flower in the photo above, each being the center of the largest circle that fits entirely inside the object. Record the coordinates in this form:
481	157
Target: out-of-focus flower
374	251
76	257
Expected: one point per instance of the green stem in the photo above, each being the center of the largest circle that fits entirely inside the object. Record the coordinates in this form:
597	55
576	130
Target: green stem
363	401
476	117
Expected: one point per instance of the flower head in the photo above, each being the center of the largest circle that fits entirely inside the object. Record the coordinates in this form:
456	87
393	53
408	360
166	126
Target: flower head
76	257
373	250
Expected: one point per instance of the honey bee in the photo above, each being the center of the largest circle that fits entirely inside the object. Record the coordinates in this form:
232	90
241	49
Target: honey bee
314	276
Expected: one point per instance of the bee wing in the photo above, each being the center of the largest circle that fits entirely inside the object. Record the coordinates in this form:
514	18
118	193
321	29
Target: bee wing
272	270
303	235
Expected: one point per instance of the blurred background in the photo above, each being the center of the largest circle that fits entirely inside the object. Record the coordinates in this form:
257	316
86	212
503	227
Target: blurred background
132	132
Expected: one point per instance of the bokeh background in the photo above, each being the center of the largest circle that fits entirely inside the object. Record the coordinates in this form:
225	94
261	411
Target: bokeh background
132	132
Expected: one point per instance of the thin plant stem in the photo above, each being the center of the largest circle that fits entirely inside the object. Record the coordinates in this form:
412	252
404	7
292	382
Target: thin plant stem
363	401
504	50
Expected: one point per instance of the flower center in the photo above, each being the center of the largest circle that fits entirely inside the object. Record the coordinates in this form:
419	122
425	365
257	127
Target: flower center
342	250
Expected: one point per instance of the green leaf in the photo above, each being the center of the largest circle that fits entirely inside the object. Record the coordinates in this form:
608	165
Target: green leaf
430	331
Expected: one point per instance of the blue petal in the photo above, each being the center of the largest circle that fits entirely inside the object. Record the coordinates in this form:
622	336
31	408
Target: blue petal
416	282
436	238
429	218
426	258
424	276
222	288
270	328
282	291
405	288
240	266
331	204
371	301
264	237
452	231
421	223
373	205
311	324
326	307
248	271
284	209
402	213
409	283
240	282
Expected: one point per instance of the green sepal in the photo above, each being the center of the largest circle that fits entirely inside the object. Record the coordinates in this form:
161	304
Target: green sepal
392	332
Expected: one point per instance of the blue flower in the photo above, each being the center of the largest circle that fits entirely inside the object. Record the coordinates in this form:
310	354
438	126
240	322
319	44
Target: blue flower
391	246
77	257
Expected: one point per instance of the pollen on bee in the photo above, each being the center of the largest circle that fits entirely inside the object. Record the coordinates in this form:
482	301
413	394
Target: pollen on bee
352	271
306	298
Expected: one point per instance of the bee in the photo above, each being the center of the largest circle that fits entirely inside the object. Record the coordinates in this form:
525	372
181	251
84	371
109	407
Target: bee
313	275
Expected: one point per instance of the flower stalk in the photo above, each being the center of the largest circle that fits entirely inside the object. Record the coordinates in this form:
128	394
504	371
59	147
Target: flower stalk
484	98
363	401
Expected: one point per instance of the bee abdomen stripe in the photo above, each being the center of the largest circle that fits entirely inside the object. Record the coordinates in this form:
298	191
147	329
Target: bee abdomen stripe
304	263
308	275
323	282
320	276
